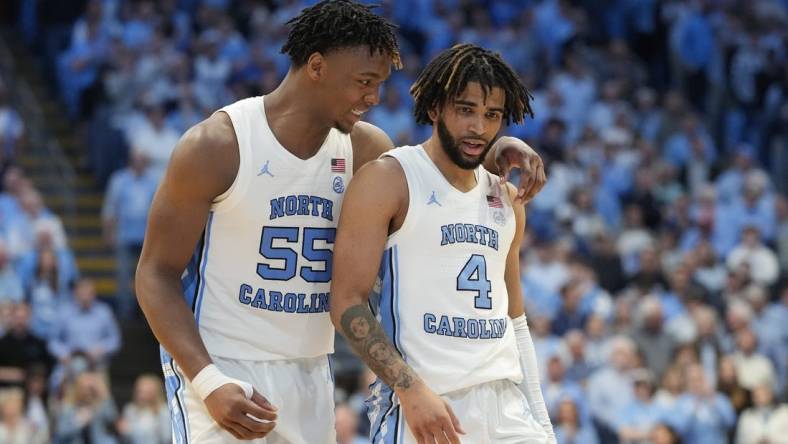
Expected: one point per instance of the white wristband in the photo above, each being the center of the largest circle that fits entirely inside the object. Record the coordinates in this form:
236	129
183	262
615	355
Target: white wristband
211	378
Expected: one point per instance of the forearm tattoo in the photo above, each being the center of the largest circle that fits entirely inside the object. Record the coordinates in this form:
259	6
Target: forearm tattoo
368	339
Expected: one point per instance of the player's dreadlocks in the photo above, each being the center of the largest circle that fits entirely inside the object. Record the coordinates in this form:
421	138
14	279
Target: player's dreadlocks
336	24
447	75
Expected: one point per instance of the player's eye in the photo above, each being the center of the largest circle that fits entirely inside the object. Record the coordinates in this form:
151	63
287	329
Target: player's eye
365	82
493	116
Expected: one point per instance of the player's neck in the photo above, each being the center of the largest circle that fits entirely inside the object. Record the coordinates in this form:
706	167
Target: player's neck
460	178
294	121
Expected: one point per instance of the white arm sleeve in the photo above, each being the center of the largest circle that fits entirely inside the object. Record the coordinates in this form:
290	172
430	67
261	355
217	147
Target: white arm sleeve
530	385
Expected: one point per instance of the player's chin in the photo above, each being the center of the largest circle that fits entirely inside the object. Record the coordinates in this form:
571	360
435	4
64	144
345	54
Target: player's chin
344	127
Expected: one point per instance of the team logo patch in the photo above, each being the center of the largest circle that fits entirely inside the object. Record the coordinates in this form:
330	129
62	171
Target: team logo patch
499	218
339	185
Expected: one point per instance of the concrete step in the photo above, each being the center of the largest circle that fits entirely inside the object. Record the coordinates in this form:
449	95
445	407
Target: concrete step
100	264
82	243
85	202
85	221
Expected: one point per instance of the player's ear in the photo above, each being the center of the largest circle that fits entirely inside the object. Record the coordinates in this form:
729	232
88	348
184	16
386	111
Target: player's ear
315	66
433	113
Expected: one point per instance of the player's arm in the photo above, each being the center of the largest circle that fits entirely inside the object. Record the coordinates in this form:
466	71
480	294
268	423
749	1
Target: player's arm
530	387
510	152
376	199
369	142
203	165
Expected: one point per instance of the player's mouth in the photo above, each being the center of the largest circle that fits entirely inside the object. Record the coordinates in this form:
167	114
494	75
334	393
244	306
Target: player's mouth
473	147
357	112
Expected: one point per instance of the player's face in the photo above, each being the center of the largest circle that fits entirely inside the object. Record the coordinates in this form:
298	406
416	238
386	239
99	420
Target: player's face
467	127
352	84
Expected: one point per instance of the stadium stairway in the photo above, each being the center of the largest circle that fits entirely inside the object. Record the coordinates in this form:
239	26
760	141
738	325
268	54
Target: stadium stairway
81	217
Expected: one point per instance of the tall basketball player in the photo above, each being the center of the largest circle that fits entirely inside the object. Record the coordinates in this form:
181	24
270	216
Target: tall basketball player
235	270
446	312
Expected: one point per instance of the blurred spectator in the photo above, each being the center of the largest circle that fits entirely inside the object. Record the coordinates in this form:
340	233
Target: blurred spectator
610	389
10	284
702	415
652	340
671	388
14	427
728	384
760	260
752	367
635	420
20	349
146	419
347	426
570	315
569	429
153	137
557	387
87	414
125	215
85	325
35	219
766	421
393	118
579	367
46	294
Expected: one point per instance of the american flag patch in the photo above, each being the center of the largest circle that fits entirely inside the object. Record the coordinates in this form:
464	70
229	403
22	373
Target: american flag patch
337	165
494	202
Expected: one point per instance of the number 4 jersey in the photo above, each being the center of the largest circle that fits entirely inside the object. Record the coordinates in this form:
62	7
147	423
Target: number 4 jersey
440	293
259	280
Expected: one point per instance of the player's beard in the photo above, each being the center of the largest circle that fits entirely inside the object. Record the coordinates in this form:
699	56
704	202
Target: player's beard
451	147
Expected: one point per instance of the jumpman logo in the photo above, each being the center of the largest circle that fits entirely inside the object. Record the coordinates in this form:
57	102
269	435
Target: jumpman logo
264	169
434	200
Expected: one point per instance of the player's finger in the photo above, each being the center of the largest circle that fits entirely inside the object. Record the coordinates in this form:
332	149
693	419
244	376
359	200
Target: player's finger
503	168
233	429
449	433
262	401
440	437
454	421
258	412
258	428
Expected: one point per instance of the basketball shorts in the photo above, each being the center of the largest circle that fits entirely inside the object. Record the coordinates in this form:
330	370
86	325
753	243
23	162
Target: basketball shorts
301	389
490	413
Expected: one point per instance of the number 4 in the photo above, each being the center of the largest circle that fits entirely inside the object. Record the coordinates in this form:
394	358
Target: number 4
473	277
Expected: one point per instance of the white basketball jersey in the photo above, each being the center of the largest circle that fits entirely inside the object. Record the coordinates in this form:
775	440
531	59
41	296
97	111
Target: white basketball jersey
440	294
259	279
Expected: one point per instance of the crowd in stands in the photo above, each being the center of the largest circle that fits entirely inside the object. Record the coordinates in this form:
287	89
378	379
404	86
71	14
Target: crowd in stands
655	261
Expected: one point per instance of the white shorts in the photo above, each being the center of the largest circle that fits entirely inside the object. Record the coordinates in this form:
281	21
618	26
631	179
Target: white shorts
493	412
302	390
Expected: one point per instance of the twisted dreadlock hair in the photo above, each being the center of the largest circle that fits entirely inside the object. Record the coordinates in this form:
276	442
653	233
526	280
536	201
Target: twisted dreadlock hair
336	24
447	75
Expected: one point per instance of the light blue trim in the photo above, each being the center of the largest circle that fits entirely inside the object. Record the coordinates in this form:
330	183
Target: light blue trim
202	269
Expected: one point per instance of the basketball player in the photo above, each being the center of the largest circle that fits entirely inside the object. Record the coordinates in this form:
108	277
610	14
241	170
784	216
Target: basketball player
243	226
446	312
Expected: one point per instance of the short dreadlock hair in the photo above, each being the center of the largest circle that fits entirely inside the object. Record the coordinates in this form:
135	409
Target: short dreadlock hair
447	75
335	24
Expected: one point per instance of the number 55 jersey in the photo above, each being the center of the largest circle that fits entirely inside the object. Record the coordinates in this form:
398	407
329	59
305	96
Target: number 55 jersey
440	293
259	280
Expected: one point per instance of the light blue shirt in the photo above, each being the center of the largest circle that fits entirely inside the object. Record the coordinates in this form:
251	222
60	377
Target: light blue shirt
80	329
703	421
128	200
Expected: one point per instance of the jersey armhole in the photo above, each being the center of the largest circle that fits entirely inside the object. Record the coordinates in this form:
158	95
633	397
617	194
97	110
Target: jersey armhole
407	222
234	194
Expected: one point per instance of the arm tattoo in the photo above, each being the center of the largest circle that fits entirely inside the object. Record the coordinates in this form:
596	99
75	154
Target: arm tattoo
368	339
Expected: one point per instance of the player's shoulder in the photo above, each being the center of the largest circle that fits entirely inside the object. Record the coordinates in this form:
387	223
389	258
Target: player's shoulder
214	135
369	142
207	153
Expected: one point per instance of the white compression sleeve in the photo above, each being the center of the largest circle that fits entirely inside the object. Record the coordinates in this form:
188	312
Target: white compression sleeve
530	385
